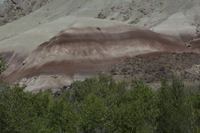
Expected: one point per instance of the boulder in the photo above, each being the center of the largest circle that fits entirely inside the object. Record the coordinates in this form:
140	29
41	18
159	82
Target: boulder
101	16
187	45
57	94
98	28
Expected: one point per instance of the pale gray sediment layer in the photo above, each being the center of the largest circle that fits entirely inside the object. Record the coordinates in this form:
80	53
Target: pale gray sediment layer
63	39
1	3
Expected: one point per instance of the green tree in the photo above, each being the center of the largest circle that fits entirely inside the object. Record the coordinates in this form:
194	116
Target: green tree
3	65
61	117
174	108
194	99
93	114
100	104
136	111
16	110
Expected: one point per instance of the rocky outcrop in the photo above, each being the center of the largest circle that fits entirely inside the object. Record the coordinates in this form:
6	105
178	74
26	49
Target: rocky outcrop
154	67
62	90
101	16
14	9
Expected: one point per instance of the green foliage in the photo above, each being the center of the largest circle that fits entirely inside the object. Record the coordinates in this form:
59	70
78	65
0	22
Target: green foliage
93	113
17	111
194	99
94	99
132	110
60	117
174	108
100	105
26	112
102	87
136	112
3	65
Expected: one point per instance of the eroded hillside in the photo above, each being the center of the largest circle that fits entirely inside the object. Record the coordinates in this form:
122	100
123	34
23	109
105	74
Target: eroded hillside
70	40
11	10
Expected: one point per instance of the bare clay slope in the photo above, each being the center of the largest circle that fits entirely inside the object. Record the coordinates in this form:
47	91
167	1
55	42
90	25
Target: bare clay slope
81	52
66	40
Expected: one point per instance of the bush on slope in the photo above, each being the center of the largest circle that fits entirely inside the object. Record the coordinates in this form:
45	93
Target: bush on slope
101	105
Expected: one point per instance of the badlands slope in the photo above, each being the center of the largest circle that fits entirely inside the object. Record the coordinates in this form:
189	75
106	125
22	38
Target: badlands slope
68	40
